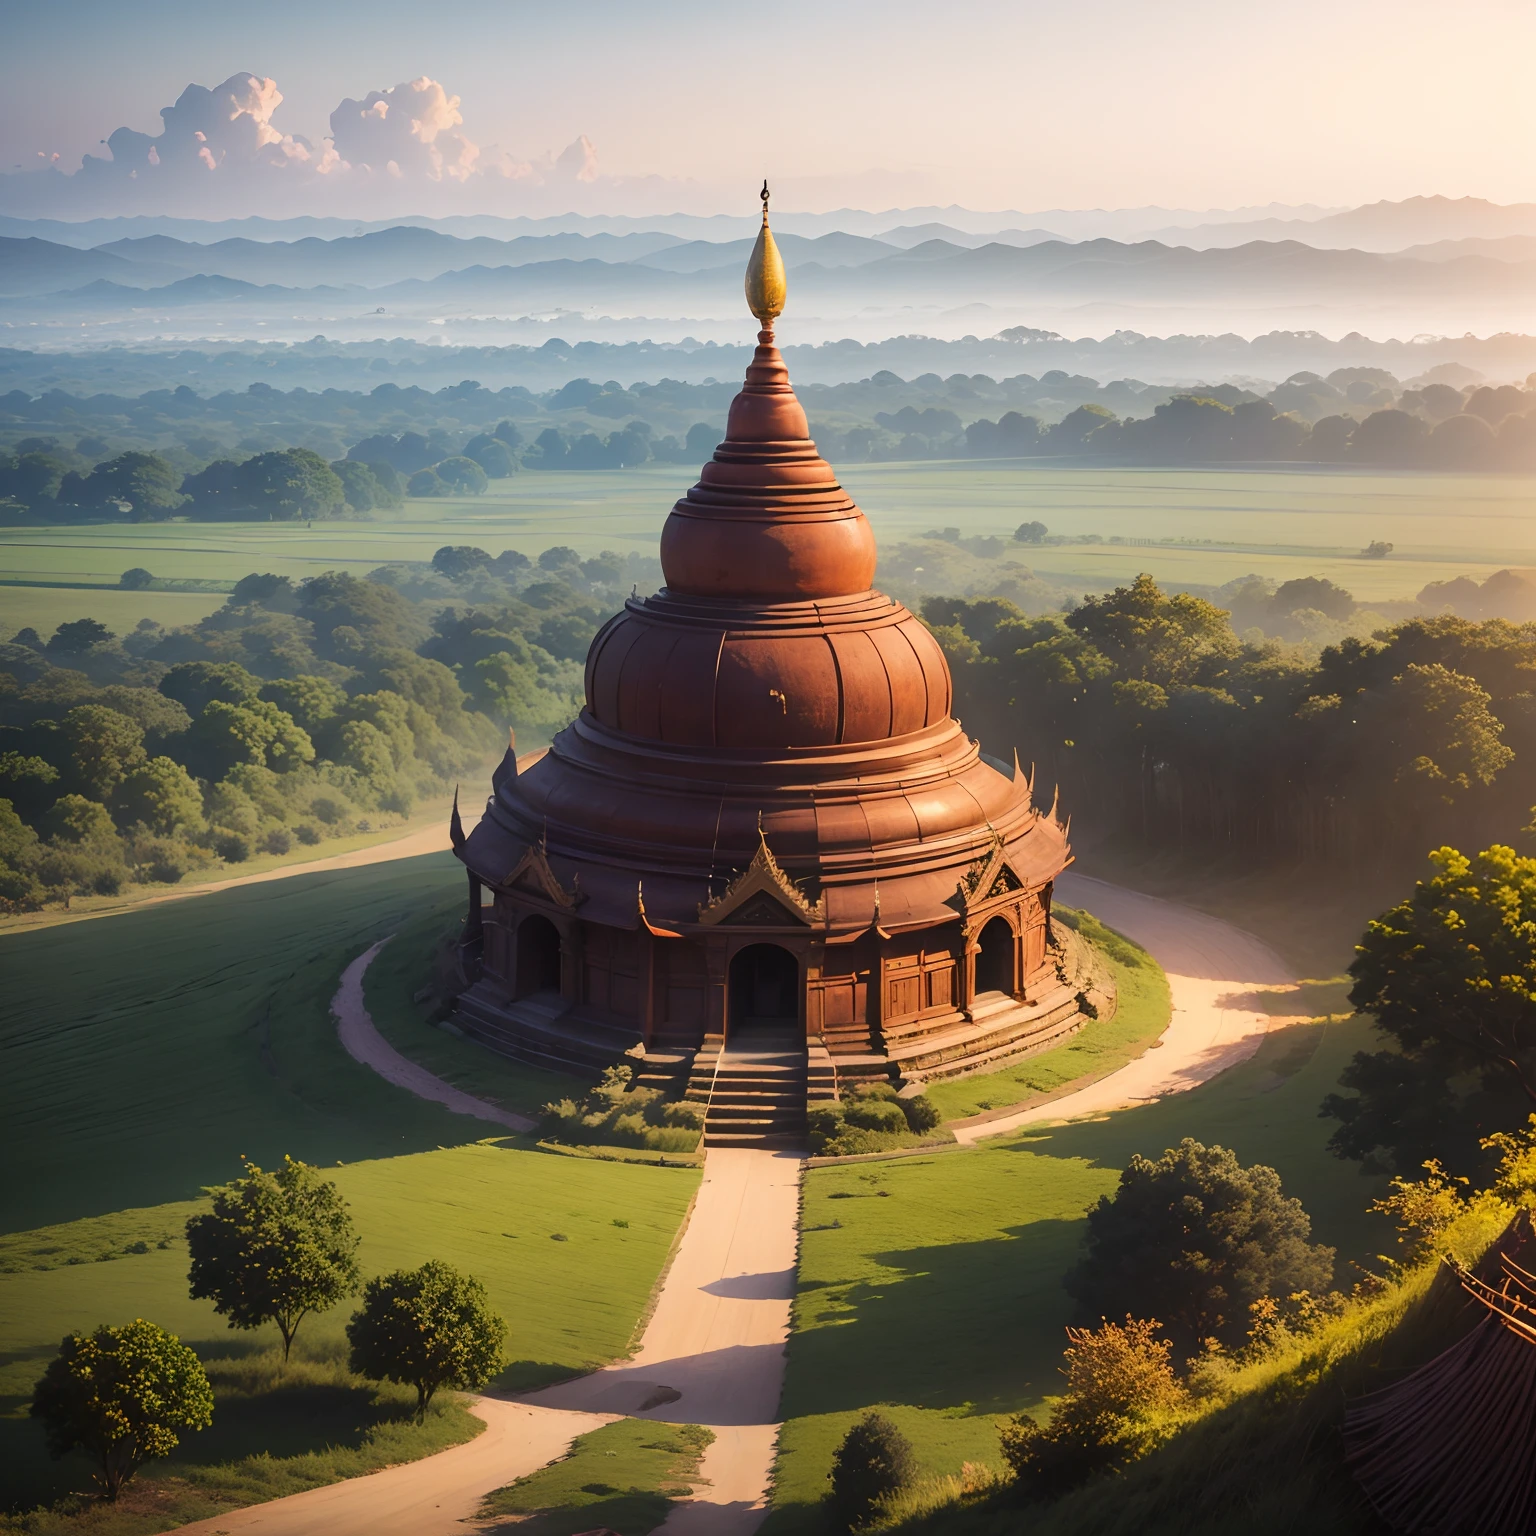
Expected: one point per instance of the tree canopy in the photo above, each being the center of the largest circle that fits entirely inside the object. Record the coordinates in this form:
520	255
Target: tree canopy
275	1247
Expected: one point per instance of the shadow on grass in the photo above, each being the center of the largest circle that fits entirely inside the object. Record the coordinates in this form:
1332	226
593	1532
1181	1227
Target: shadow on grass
970	1326
629	1512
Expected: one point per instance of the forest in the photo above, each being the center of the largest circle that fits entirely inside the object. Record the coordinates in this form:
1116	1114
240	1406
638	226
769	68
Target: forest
68	458
293	715
1173	732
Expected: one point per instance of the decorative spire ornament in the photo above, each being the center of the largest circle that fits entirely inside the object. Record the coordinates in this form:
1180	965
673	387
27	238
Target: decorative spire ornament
765	283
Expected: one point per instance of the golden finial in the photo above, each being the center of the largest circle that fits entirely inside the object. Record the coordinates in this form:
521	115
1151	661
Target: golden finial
765	273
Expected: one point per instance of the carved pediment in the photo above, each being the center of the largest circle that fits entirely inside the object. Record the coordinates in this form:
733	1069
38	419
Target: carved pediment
762	896
533	876
989	877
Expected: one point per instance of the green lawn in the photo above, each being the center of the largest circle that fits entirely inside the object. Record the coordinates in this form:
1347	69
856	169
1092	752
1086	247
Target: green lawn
624	1477
1141	1015
1279	523
144	1053
934	1284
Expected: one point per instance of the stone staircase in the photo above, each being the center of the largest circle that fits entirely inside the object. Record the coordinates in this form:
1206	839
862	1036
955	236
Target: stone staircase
758	1091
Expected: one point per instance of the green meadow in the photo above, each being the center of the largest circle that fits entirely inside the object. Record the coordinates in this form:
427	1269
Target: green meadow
1202	526
933	1284
144	1053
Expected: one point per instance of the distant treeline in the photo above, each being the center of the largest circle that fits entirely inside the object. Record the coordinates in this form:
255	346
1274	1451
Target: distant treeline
293	715
453	442
1165	726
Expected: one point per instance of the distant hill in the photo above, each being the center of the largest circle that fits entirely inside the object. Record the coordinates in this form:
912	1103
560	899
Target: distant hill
1380	226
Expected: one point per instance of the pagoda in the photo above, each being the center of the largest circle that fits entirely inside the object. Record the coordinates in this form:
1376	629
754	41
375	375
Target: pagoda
765	837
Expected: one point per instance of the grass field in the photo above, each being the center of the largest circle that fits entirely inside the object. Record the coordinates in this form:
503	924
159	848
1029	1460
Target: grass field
624	1478
1141	1015
144	1053
934	1284
1280	523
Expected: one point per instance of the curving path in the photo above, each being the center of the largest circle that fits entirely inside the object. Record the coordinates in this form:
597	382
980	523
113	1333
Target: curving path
1212	967
363	1042
713	1351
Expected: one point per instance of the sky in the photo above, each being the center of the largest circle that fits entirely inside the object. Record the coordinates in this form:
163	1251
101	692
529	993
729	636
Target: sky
1019	105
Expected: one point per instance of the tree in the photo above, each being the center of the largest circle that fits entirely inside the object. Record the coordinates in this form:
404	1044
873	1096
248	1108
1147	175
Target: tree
462	475
104	746
309	700
256	731
1194	1237
77	637
120	1395
151	488
457	560
136	580
293	483
874	1461
275	1247
425	483
1449	975
358	483
427	1328
1151	637
161	795
1030	533
1119	1380
196	684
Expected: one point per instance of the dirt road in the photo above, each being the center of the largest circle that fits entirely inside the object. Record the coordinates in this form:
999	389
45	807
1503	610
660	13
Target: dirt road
1211	967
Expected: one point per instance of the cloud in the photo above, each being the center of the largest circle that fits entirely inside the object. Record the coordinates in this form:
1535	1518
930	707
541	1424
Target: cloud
228	128
219	153
405	132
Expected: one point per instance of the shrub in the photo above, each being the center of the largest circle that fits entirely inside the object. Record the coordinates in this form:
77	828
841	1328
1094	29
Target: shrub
874	1462
922	1113
232	847
327	810
615	1114
120	1395
307	834
875	1115
277	841
1119	1380
1197	1238
427	1328
160	859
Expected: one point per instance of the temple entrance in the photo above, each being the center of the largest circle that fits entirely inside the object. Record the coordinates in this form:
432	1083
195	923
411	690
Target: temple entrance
994	965
764	987
538	957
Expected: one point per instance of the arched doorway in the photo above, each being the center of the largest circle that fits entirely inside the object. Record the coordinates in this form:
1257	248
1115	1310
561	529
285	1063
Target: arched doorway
765	986
538	957
994	965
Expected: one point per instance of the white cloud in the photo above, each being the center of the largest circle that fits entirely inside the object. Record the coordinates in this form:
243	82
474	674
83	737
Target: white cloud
408	129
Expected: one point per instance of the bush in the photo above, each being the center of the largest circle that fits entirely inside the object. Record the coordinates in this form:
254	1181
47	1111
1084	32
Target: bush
277	841
161	860
1120	1379
232	847
307	834
922	1113
874	1462
120	1395
614	1114
875	1115
1197	1238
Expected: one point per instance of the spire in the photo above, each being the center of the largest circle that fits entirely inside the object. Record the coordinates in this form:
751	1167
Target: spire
765	274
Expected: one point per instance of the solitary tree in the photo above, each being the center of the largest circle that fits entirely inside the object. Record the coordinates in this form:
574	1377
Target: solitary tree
427	1328
1194	1237
275	1247
874	1462
1030	533
1450	977
120	1395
